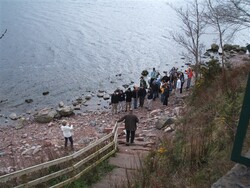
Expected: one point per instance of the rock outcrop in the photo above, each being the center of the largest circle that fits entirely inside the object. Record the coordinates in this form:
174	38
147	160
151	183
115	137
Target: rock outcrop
45	115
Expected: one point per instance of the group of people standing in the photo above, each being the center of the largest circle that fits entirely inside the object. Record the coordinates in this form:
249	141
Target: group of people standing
157	86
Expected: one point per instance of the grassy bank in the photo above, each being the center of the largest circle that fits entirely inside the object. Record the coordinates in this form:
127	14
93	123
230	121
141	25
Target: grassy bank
199	154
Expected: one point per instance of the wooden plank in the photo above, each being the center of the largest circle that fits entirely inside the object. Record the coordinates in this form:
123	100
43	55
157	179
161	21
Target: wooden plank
66	182
31	169
64	171
115	128
46	178
80	163
80	152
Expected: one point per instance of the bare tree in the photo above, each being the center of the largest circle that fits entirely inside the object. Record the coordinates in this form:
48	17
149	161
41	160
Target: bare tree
241	11
216	16
191	30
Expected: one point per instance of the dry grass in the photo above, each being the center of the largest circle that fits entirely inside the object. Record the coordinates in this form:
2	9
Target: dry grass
200	152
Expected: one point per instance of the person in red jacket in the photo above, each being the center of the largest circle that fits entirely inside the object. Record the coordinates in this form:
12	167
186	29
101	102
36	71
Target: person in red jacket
190	74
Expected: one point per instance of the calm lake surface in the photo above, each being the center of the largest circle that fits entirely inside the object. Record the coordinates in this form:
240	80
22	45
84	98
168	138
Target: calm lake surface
74	47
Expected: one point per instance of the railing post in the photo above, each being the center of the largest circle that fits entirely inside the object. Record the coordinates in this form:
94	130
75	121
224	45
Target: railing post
242	129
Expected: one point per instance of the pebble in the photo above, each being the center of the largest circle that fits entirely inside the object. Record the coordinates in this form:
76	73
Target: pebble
2	153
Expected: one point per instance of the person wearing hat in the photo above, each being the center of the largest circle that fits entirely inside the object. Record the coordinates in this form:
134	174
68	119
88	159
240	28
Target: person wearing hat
67	133
131	121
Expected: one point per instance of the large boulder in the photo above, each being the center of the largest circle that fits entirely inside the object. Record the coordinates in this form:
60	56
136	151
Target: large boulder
214	48
164	121
45	115
65	111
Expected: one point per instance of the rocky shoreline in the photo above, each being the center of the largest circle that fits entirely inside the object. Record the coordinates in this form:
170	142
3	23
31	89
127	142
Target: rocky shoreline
36	137
34	143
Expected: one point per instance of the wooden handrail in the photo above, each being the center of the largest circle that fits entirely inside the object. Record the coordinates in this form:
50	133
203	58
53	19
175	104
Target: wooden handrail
46	178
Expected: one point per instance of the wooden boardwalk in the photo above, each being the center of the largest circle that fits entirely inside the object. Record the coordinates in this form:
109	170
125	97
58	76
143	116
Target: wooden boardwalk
127	161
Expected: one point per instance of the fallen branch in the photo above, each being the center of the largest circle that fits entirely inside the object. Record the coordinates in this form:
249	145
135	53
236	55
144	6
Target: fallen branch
3	33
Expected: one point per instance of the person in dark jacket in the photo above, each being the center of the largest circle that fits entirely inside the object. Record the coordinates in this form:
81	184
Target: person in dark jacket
155	88
143	83
121	100
165	78
182	78
135	96
114	102
128	98
142	94
131	121
166	95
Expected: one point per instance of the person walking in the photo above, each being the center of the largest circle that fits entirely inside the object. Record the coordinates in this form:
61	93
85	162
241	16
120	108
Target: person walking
131	121
67	133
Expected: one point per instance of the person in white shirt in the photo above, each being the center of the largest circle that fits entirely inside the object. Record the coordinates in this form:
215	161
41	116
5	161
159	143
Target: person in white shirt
67	133
178	87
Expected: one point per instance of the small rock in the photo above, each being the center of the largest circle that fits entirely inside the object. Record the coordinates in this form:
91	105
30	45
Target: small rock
46	93
21	123
13	116
88	97
46	143
140	138
168	129
92	123
75	103
155	112
24	135
61	104
106	97
51	124
2	153
36	150
27	152
100	95
28	100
